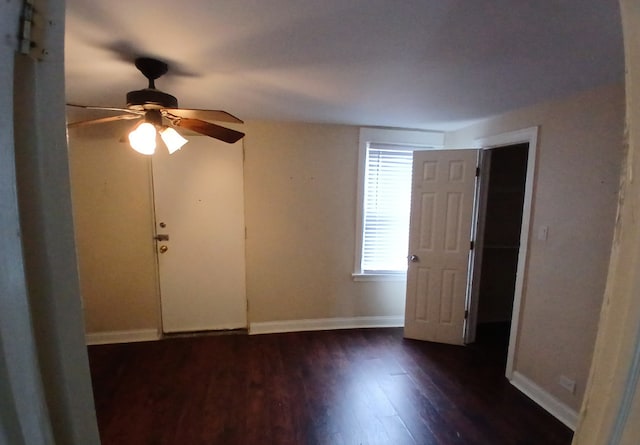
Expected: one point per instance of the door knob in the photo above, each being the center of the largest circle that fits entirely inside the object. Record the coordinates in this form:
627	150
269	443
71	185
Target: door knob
414	258
163	249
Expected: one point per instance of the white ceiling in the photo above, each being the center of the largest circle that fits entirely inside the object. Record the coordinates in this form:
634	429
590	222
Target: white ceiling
433	64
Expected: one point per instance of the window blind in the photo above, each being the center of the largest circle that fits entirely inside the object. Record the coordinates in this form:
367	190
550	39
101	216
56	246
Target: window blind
387	206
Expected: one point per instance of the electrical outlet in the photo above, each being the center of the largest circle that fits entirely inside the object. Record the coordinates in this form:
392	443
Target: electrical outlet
567	383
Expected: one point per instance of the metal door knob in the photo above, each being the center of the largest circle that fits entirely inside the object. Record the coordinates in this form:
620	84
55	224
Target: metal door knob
163	249
414	258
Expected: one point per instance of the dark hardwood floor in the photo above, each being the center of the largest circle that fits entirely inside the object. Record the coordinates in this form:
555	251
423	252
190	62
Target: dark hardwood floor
364	386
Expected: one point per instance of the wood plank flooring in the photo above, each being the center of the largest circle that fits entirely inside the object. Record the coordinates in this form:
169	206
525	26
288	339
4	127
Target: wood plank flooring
364	386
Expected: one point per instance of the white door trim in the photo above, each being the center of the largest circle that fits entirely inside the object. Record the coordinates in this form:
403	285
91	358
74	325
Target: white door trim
478	225
530	136
45	384
24	412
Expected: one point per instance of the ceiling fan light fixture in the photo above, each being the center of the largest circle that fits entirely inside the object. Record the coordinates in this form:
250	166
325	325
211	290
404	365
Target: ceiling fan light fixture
157	107
172	139
143	138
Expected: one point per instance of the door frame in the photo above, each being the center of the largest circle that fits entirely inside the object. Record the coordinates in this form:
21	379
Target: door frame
475	259
529	136
45	381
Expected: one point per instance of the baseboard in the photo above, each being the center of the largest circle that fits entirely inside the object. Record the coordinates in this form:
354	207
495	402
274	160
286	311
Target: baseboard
323	324
268	327
558	409
103	338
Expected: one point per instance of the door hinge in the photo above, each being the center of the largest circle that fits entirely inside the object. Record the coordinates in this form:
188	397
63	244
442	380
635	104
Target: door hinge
466	314
471	245
477	171
26	27
34	26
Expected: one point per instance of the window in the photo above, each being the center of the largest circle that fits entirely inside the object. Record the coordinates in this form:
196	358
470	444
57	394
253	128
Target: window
387	203
384	192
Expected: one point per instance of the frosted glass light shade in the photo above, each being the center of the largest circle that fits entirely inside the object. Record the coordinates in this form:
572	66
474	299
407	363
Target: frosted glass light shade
143	139
172	139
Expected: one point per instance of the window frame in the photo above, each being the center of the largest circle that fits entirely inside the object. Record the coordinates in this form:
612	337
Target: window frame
403	139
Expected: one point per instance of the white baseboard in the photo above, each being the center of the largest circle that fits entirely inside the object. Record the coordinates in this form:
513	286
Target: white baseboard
323	324
268	327
103	338
558	409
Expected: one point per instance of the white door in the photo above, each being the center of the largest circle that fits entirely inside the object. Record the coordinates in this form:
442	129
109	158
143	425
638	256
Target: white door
442	206
199	205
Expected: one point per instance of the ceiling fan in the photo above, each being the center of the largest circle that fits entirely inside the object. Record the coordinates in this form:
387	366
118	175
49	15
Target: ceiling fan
157	109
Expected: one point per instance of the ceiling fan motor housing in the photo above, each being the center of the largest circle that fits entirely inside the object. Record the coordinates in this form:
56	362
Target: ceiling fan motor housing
150	99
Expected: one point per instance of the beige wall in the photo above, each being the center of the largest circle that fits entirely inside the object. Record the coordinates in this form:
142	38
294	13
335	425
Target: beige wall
575	194
114	229
300	192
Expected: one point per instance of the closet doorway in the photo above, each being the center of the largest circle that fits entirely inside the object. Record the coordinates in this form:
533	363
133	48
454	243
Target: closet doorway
504	174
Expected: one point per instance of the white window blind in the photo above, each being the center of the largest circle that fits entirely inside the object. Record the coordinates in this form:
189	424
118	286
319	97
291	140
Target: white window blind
386	210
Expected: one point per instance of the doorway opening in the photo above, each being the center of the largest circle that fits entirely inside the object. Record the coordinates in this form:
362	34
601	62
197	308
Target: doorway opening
505	174
448	207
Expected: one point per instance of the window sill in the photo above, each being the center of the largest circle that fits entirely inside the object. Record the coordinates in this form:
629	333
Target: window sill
379	276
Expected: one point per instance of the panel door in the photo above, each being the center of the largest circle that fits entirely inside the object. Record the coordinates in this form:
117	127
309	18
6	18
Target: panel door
199	205
442	206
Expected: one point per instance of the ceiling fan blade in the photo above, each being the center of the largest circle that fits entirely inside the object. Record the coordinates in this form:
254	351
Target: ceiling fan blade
208	129
92	107
103	120
207	115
